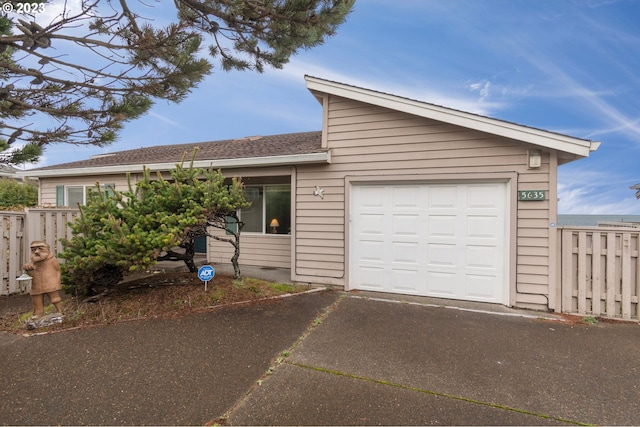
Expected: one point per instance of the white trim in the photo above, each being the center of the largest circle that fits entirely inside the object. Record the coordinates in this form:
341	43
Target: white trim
577	146
285	160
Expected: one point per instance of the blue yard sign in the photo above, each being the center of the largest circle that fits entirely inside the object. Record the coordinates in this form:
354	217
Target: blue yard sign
206	273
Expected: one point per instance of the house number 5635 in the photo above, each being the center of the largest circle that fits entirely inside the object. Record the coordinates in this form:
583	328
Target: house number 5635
531	195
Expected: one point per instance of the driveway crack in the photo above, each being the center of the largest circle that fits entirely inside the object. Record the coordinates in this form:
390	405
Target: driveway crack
437	393
317	321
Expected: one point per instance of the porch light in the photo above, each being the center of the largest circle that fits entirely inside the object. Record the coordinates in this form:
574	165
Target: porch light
534	158
274	225
24	281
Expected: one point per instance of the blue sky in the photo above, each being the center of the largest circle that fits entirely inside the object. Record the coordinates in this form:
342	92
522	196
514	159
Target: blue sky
569	66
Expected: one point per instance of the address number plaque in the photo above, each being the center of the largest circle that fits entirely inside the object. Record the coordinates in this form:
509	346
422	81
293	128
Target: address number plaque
532	195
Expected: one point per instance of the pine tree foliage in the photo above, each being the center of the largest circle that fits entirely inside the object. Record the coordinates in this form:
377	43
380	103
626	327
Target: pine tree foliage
17	195
76	71
120	232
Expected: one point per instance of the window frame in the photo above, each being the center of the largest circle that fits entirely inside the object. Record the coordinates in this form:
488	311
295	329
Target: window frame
264	227
62	192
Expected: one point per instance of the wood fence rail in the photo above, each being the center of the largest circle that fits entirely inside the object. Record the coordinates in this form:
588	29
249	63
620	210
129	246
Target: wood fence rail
21	228
600	271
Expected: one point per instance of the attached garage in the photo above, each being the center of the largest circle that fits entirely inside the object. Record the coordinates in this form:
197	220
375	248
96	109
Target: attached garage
444	240
421	199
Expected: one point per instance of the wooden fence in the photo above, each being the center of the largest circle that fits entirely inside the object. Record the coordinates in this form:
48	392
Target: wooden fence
600	271
21	228
600	266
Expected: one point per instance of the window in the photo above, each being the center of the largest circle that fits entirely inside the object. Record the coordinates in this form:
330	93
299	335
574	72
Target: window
74	195
270	210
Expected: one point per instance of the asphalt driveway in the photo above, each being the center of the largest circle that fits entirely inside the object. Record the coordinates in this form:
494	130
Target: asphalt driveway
327	358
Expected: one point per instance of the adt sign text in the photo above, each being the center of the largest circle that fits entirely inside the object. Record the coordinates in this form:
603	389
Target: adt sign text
206	273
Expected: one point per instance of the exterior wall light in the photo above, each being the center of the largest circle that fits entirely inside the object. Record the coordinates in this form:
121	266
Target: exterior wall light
534	159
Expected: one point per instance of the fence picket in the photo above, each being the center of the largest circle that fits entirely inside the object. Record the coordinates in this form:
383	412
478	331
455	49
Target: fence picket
596	274
626	276
582	272
611	274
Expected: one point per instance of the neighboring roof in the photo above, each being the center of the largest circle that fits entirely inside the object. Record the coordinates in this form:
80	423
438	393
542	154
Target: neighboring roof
8	170
564	143
273	150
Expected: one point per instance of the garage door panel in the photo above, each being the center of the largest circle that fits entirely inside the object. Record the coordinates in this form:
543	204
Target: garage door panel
372	251
438	240
439	255
406	225
407	198
482	196
371	224
405	281
405	253
480	288
371	278
485	257
442	226
370	197
441	284
443	197
483	227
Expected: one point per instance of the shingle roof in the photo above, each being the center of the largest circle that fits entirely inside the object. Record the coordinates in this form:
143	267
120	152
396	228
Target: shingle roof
248	147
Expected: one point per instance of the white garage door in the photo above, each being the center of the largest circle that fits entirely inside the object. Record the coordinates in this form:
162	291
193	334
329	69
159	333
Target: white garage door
437	240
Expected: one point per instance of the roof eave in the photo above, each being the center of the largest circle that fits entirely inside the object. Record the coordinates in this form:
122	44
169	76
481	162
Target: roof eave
285	160
577	146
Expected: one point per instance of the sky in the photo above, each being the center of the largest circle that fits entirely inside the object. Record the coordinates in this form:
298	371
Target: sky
567	66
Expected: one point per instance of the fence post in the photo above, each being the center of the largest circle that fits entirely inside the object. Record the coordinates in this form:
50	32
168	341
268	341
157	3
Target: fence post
625	259
567	270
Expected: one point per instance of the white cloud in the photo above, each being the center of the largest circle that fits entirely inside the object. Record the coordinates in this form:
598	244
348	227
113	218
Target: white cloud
562	84
483	88
409	86
582	190
167	120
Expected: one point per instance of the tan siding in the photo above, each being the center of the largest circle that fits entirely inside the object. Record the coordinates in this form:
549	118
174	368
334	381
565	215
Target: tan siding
329	220
374	142
436	146
314	211
533	269
339	244
537	223
320	250
329	228
533	214
525	250
526	280
255	249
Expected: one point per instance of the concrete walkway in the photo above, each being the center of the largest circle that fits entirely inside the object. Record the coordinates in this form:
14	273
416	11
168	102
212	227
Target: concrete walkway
327	358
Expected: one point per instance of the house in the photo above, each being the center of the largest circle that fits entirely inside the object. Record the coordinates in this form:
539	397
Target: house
8	171
392	195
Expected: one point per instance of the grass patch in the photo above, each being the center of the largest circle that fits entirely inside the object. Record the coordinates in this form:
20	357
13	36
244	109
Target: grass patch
284	288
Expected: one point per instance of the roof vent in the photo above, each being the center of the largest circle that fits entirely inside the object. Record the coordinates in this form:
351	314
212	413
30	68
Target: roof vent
250	138
99	156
